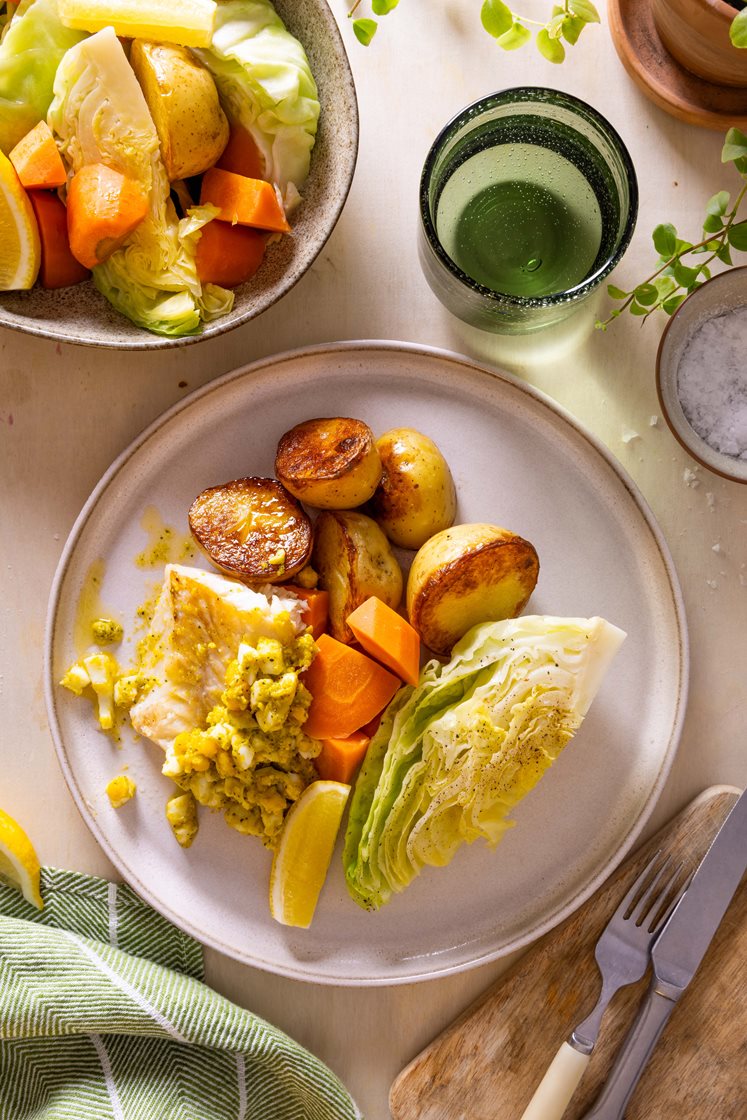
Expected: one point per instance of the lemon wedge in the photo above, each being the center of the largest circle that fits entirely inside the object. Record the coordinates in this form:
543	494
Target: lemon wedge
18	863
20	248
302	857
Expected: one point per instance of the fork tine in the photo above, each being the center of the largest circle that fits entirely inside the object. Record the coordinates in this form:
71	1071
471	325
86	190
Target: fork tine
638	885
668	900
652	892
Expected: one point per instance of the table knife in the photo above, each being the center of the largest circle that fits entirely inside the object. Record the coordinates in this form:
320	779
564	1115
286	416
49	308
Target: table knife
676	955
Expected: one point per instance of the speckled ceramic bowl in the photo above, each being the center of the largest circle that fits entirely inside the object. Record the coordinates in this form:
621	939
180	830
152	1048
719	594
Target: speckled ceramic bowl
723	293
81	314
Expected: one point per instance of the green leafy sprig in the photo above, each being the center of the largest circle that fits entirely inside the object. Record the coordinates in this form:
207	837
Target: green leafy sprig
673	280
507	27
512	30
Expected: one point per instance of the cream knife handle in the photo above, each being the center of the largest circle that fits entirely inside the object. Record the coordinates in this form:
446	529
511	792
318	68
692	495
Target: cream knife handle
631	1061
558	1085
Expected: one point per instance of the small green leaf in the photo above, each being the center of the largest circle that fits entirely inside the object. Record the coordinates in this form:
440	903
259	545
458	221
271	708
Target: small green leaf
383	7
572	28
364	30
616	293
638	309
718	203
551	49
712	224
724	254
585	10
683	275
497	18
555	27
665	285
738	236
665	240
741	166
516	36
683	246
735	146
738	29
646	294
705	271
671	305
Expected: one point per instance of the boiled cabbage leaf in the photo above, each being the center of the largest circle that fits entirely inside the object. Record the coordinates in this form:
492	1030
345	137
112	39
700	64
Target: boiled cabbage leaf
99	115
453	756
30	52
266	85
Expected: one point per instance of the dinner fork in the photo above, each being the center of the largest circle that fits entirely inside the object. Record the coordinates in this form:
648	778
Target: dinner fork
622	954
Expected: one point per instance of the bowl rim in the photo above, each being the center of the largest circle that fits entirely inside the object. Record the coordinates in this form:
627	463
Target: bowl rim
145	340
693	447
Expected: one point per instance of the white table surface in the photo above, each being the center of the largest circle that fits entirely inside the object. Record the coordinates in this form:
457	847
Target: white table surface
66	412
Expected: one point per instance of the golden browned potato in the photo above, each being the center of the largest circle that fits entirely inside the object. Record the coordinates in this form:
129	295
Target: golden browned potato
465	575
253	529
183	101
354	561
329	462
416	496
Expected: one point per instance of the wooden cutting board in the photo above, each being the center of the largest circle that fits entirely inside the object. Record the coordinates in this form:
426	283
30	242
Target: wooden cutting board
487	1064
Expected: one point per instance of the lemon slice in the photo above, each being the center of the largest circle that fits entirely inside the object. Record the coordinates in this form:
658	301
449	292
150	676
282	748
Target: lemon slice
20	248
304	852
18	863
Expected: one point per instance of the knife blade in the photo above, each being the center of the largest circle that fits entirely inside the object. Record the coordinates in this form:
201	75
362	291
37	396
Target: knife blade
676	955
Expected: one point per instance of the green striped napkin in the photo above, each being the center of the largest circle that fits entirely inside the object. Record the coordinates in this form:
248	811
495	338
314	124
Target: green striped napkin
103	1016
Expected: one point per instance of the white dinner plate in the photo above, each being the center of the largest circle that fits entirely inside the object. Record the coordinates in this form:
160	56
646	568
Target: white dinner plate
518	461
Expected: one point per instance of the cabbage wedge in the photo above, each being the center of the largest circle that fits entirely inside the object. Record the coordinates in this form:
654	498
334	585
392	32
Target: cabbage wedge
453	756
99	115
266	85
31	50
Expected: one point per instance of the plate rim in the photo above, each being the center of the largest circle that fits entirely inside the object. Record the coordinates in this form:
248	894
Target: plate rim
361	346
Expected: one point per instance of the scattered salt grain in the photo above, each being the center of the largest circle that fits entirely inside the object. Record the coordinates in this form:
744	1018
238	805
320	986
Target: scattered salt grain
716	547
712	583
711	500
654	422
712	383
629	434
690	478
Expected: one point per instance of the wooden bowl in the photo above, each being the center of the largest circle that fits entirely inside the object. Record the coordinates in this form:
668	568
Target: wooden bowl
82	315
696	33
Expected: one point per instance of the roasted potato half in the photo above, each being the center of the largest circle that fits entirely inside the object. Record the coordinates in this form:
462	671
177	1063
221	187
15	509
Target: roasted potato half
253	529
354	561
416	496
329	462
465	575
183	101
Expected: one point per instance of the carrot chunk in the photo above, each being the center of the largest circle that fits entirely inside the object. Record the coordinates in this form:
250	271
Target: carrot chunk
388	637
316	614
229	255
348	689
59	268
103	208
339	759
241	154
37	160
248	202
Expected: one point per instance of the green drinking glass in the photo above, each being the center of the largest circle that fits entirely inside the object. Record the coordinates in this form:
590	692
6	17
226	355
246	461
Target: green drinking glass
528	200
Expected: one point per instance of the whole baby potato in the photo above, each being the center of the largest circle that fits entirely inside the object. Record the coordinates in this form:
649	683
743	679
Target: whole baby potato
354	561
329	462
465	575
416	496
183	102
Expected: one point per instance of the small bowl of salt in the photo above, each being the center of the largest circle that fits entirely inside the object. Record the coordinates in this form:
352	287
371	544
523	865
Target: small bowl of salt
701	374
